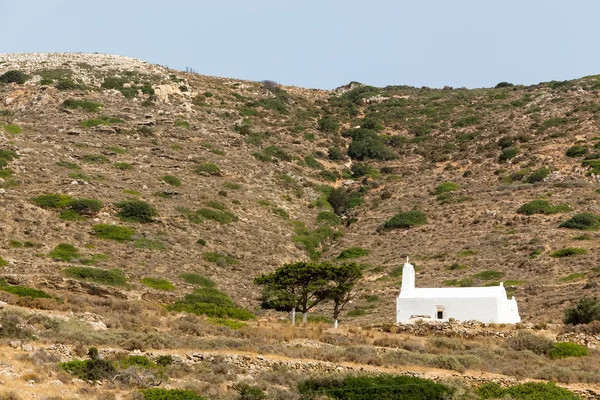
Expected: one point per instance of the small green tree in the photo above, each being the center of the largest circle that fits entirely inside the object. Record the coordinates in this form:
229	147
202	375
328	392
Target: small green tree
136	211
343	279
301	284
585	311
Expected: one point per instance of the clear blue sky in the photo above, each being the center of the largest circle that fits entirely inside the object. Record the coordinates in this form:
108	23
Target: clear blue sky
326	43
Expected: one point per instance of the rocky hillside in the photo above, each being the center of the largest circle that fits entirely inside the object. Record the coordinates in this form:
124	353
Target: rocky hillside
245	176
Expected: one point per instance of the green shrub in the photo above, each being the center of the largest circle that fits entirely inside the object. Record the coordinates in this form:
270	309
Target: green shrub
85	105
150	244
585	311
466	121
12	128
488	275
446	187
573	277
156	283
172	180
86	207
335	154
367	144
353	252
583	221
222	217
113	232
568	252
170	394
52	200
508	154
379	387
219	258
136	361
136	211
458	267
542	207
327	125
66	164
197	279
182	124
232	185
3	262
310	241
364	169
538	175
65	252
14	76
465	282
208	168
95	159
528	341
526	391
229	323
94	369
576	151
406	220
111	277
567	349
212	303
328	218
123	166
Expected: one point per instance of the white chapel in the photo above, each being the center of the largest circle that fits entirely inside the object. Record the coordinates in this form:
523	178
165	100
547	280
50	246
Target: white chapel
484	304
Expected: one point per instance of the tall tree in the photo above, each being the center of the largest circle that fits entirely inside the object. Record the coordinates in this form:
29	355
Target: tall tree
342	280
302	285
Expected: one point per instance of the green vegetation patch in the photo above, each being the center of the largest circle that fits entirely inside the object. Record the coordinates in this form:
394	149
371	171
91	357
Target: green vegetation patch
229	323
172	180
542	207
23	291
538	175
526	391
576	151
157	283
221	216
208	169
212	303
568	252
67	164
170	394
113	232
379	387
110	277
12	128
583	221
149	244
123	166
353	252
65	252
328	218
567	349
3	262
488	275
95	159
219	258
85	105
312	240
573	277
272	154
136	211
446	187
197	279
14	76
508	154
406	219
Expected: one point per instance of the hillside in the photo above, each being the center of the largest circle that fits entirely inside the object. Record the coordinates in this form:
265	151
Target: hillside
241	176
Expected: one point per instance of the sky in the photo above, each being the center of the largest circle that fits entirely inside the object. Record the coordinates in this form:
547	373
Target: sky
327	43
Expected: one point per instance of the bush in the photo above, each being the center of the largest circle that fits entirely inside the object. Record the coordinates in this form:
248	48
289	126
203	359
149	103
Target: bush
327	125
94	369
85	105
328	218
222	217
335	154
446	187
538	175
137	361
542	207
526	391
576	151
380	387
197	279
23	291
503	85
529	341
371	145
170	394
95	159
65	252
406	220
87	207
567	349
248	392
208	168
172	180
111	277
488	275
353	252
3	262
113	232
219	258
210	302
12	128
583	221
508	153
585	311
364	169
123	166
136	211
568	252
52	200
14	76
156	283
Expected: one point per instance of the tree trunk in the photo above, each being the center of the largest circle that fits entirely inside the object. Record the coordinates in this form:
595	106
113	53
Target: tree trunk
304	317
293	316
335	324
